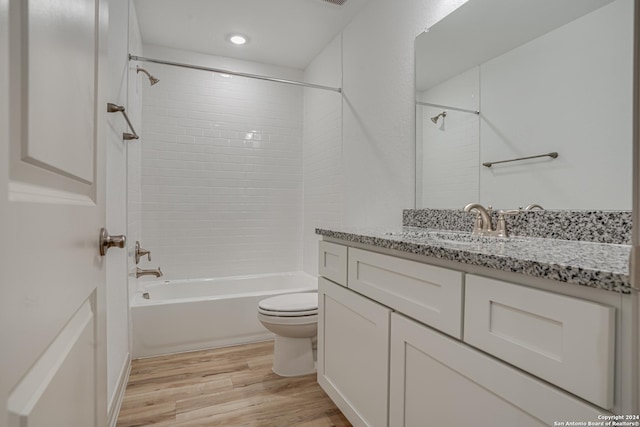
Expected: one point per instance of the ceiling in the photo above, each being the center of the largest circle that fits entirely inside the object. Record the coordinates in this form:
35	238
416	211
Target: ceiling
288	33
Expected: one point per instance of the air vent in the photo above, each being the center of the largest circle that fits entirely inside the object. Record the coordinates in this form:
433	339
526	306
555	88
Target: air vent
336	2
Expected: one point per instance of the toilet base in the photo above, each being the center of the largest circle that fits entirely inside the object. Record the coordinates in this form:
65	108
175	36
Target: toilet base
293	357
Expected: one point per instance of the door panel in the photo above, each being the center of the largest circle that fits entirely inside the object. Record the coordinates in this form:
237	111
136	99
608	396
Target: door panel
60	85
62	376
52	166
53	73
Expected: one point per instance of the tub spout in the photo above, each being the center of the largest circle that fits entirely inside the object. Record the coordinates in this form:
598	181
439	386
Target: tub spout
151	272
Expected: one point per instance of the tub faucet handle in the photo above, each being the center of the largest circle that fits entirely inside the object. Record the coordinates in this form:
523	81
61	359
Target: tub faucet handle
139	253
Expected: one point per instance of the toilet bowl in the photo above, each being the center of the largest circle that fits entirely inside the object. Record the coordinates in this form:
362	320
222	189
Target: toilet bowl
293	318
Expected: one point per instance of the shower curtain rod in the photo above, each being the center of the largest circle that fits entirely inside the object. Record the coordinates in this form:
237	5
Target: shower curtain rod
234	73
464	110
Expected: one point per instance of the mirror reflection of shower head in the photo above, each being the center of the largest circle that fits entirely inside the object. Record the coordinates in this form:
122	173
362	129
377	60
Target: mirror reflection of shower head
152	79
436	118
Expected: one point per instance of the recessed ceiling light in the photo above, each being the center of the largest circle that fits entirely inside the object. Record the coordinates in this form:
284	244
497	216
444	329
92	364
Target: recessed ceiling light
237	39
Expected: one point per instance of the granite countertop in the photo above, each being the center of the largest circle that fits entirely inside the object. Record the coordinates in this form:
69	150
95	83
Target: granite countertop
596	265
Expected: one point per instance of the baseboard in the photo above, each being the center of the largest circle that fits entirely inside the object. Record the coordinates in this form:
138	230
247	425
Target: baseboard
116	402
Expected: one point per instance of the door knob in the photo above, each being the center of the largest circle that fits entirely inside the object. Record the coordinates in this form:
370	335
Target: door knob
106	241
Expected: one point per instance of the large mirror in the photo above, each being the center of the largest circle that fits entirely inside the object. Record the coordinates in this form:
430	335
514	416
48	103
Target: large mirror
499	80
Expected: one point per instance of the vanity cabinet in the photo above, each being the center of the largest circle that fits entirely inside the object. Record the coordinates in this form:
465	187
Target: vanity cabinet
406	343
353	353
439	381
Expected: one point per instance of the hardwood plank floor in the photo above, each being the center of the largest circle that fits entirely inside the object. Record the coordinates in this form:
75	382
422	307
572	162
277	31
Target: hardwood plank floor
232	386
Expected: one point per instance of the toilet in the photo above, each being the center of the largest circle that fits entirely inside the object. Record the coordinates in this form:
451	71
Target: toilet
293	318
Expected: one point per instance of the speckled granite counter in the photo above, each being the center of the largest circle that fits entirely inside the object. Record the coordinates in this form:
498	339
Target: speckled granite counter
595	265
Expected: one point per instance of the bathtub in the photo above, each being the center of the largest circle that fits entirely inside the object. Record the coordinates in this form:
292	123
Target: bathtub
187	315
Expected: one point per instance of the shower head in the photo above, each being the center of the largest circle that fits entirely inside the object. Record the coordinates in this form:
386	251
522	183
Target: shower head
436	118
152	79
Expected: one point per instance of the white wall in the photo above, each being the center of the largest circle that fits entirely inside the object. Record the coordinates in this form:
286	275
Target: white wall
322	154
4	177
221	169
567	91
379	122
372	179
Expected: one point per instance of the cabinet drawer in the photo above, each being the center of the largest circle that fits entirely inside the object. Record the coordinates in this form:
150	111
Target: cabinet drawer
432	295
566	341
332	262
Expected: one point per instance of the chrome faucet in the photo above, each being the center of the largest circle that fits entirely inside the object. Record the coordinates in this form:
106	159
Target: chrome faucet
151	272
482	225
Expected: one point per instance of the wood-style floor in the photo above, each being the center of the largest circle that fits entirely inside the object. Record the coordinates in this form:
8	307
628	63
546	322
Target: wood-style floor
229	387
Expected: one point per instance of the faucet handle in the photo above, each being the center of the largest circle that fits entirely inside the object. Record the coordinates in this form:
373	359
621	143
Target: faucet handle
139	253
477	224
509	212
502	223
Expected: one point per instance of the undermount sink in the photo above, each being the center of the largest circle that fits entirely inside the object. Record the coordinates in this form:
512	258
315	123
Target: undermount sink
410	234
454	238
458	238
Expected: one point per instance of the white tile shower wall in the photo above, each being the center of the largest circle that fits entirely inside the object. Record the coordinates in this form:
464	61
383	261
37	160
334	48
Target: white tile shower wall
221	172
322	154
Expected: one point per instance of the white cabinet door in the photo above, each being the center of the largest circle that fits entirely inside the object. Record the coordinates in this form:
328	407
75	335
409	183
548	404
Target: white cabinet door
566	341
353	353
438	381
52	293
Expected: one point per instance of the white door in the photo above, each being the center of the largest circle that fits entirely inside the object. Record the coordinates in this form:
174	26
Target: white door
52	128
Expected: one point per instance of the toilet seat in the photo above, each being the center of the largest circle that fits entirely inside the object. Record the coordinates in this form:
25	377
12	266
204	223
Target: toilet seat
290	305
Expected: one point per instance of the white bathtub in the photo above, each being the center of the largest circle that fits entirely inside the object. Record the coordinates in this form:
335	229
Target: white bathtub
186	315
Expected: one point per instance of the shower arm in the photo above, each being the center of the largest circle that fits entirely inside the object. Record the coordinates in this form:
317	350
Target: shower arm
152	80
113	108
